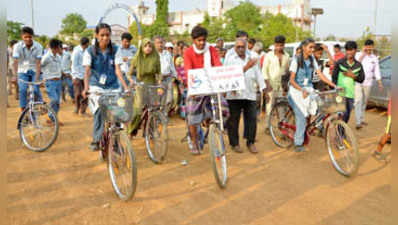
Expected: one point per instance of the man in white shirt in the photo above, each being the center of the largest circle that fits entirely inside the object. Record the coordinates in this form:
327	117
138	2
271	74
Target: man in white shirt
27	55
276	65
167	67
244	100
51	64
370	64
78	76
124	55
66	73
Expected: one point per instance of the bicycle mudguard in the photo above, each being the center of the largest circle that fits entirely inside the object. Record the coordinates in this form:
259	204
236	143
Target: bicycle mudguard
20	118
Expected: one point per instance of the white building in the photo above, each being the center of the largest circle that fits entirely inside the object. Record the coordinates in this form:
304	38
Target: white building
179	22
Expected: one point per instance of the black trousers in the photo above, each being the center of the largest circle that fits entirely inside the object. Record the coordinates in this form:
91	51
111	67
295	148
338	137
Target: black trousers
250	117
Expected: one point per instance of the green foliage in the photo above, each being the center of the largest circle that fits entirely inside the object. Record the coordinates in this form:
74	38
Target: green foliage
367	34
331	37
280	25
88	33
246	16
43	40
160	26
14	30
73	23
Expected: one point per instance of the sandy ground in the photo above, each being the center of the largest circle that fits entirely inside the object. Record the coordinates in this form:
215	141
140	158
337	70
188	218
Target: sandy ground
67	184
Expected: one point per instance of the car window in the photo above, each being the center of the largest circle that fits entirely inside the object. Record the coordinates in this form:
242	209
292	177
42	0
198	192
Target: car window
386	68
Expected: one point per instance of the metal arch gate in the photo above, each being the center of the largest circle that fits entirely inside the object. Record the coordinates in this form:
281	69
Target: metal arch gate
126	8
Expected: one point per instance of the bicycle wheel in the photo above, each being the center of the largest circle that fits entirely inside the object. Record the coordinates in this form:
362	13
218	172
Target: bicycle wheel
122	166
156	137
38	127
282	123
218	156
342	147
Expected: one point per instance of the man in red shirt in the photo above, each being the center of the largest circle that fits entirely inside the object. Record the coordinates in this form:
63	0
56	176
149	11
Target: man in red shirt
338	54
199	55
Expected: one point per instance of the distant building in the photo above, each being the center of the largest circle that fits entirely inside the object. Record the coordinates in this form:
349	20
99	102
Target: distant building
179	22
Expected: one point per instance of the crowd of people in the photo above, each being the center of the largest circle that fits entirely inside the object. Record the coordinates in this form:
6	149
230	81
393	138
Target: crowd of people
105	66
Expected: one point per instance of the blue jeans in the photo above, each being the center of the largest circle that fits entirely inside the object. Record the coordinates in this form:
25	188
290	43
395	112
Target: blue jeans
120	82
301	124
23	88
349	107
54	89
98	126
67	82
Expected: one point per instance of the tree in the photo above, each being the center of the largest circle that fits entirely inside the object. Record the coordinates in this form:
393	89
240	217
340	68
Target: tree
331	37
280	24
43	40
216	28
160	26
246	16
88	33
14	30
73	23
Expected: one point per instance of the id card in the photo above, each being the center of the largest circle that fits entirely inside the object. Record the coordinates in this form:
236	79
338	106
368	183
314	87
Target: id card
305	81
102	79
26	63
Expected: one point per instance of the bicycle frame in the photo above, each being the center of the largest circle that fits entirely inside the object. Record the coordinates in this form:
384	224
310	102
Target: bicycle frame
309	130
31	103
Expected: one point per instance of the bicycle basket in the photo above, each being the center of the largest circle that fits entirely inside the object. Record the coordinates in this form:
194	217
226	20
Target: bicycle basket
331	102
118	108
154	98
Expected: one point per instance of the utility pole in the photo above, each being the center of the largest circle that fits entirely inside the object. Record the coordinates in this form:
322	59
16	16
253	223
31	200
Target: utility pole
33	17
375	19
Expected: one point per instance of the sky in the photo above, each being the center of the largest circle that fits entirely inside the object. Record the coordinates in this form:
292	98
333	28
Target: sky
342	18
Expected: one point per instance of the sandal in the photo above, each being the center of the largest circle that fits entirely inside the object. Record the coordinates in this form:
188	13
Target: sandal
195	151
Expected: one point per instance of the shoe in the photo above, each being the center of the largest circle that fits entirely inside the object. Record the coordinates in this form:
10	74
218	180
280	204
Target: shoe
252	148
358	127
76	111
94	146
60	123
237	149
267	132
299	148
364	124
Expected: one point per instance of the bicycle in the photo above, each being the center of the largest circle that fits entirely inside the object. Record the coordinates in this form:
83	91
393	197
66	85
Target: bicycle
115	146
215	133
154	121
38	123
173	92
339	138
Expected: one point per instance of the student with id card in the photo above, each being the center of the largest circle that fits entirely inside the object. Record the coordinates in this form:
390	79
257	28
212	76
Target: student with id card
100	76
302	69
27	55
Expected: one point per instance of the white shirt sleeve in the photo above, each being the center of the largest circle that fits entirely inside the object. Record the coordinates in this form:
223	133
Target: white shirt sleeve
45	59
118	57
260	79
377	70
293	66
86	59
316	66
16	52
39	51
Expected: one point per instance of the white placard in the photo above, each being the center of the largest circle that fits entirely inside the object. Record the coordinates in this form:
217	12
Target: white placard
215	80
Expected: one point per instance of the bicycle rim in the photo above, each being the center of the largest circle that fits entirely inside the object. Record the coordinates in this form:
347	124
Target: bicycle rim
36	133
281	116
122	166
156	137
218	156
342	148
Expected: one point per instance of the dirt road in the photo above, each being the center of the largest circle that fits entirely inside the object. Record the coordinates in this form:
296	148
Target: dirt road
68	185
